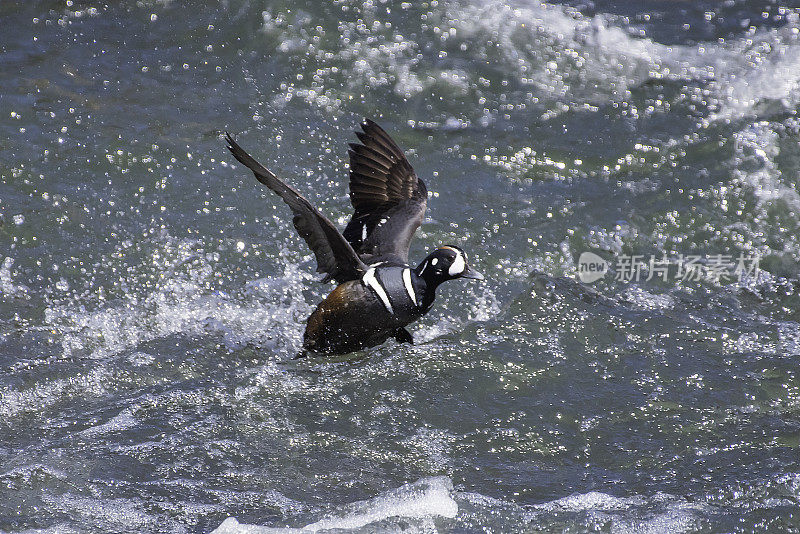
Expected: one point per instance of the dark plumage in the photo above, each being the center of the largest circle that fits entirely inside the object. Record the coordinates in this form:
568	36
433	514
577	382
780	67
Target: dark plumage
388	198
378	294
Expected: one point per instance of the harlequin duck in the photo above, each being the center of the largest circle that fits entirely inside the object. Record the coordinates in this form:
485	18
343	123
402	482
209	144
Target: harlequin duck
378	293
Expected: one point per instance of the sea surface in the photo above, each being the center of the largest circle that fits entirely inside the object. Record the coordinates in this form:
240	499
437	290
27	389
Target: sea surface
153	294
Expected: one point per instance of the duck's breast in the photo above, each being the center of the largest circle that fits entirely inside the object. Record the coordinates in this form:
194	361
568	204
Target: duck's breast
350	318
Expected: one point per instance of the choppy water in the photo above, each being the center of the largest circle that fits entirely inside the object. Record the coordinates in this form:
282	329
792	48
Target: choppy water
151	294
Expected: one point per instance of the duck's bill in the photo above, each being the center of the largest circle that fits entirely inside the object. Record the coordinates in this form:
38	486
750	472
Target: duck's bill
472	274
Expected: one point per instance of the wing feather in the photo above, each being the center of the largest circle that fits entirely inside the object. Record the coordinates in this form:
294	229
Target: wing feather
335	256
388	198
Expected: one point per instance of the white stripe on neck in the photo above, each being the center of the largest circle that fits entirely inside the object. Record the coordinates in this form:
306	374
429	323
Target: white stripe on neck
370	280
409	286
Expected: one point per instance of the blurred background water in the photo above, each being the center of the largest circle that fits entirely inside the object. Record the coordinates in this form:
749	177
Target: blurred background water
152	294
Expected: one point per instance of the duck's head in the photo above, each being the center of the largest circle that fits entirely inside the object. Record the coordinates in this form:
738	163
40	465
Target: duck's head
447	262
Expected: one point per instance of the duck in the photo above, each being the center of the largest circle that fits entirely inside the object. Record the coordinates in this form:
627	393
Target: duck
377	294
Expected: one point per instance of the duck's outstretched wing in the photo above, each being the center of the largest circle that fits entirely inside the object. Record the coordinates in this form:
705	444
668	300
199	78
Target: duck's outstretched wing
388	198
334	254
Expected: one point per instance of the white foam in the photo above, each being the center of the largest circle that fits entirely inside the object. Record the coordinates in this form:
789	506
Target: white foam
606	58
49	392
122	421
659	513
61	528
758	178
791	481
756	148
749	342
758	68
742	72
553	49
593	500
789	338
425	499
678	519
141	359
269	310
643	299
7	286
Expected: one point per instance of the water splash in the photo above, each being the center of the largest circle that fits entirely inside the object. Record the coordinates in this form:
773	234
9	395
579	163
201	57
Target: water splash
422	500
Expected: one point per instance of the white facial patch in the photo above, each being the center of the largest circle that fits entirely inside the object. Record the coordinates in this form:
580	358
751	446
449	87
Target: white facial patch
434	261
458	265
409	286
370	280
